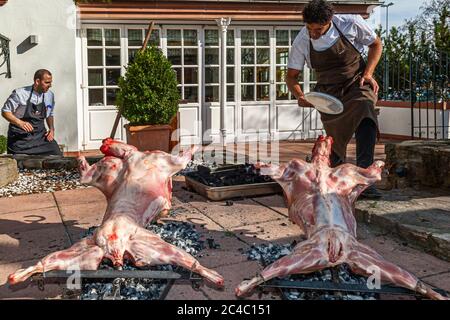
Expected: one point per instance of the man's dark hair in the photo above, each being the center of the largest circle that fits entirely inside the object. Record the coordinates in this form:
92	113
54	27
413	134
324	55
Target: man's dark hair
39	74
318	11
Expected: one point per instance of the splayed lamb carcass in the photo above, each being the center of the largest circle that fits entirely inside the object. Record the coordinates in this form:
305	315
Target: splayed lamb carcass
320	200
138	187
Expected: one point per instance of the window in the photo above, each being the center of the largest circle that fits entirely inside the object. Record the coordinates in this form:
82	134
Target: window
183	53
104	65
255	65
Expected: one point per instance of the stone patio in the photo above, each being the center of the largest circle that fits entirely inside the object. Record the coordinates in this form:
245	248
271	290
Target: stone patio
408	227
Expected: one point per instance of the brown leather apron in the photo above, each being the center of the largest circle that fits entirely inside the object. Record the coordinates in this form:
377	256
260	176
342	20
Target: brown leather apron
339	69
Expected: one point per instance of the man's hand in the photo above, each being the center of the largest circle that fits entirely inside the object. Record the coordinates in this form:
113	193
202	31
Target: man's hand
302	102
26	126
371	81
50	134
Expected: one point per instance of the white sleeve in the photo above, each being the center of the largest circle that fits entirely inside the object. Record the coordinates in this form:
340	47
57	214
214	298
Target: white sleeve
365	35
296	56
11	103
52	107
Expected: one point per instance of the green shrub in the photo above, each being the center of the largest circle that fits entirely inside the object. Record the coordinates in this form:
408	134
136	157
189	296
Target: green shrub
2	144
148	92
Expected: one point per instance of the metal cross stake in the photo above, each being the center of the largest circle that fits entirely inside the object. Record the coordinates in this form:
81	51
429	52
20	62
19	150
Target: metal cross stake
144	45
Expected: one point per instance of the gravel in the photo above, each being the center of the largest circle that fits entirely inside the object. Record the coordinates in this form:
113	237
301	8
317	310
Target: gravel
266	254
42	181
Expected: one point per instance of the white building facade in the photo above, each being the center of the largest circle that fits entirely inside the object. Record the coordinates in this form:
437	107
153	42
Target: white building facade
88	46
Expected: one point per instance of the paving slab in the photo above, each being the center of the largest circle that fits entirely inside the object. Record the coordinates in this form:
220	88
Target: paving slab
234	274
79	196
33	244
275	202
279	231
26	202
421	217
28	289
15	222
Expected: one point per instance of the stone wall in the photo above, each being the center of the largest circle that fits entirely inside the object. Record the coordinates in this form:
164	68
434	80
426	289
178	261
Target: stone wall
419	163
46	162
8	171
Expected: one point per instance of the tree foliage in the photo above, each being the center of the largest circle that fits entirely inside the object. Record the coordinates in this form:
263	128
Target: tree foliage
420	46
148	92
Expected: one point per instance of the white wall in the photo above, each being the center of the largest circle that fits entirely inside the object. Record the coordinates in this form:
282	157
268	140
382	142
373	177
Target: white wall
53	22
397	121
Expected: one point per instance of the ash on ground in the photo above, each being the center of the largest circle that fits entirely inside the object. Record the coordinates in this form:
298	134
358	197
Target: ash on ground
41	181
180	234
266	254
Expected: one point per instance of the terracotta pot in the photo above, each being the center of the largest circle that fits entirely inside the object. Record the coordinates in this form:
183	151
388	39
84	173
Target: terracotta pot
149	137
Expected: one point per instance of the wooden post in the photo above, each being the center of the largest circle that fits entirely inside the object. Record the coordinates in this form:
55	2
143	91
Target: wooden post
144	45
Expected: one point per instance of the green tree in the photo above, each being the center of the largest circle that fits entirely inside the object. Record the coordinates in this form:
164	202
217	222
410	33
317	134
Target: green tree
148	92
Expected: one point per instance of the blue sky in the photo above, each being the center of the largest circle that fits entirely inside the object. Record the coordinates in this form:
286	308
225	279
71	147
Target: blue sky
401	10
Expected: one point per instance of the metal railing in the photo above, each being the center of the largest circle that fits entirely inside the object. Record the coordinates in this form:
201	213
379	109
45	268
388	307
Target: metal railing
421	80
5	56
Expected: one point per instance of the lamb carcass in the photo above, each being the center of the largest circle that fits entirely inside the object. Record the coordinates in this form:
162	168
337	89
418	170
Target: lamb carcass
138	187
320	200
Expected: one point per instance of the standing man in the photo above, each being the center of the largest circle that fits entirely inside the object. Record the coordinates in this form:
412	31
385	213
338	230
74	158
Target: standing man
332	46
25	110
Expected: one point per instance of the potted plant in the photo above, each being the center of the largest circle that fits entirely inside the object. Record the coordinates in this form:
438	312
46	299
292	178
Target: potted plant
148	98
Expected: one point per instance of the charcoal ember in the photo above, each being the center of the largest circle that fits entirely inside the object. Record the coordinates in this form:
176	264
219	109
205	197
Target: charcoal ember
228	175
266	254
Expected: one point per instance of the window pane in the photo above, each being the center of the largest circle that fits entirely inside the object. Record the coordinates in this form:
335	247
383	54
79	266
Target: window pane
282	37
190	56
230	74
230	93
212	75
248	74
262	93
211	93
248	56
135	37
247	37
94	37
96	97
174	37
95	57
112	57
131	54
112	77
190	37
111	97
262	74
230	38
248	93
174	56
263	56
281	74
282	55
293	35
178	72
154	39
230	56
211	37
282	92
191	94
212	56
112	37
190	75
262	38
95	77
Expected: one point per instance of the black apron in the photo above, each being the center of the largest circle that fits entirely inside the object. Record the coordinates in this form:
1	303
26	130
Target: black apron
35	142
339	70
